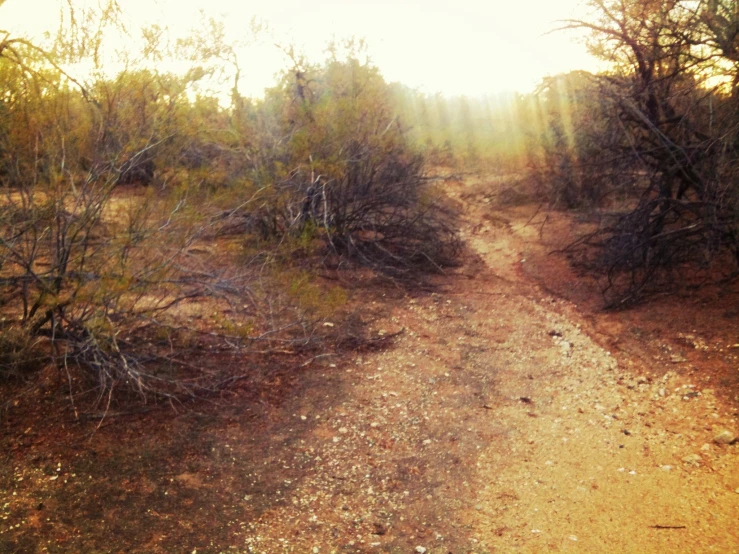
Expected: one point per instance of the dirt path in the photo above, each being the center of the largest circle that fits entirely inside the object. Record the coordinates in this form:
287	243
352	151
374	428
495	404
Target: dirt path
498	424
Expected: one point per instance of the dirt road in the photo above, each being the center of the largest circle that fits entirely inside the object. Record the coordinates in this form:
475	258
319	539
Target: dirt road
497	424
498	421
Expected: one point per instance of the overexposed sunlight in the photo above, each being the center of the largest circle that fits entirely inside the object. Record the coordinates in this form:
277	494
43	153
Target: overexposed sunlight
464	47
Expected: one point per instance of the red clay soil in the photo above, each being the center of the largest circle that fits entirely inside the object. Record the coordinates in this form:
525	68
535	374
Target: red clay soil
510	414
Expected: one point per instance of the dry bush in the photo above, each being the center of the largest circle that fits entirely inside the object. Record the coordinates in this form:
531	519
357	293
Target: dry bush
381	212
140	292
123	293
336	163
680	224
579	156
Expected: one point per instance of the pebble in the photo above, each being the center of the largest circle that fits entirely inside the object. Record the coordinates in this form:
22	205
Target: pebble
420	549
692	459
724	437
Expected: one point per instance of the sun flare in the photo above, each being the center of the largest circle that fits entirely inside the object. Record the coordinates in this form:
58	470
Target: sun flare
468	47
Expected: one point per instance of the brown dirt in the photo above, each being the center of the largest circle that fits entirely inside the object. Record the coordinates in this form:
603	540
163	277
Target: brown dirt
510	415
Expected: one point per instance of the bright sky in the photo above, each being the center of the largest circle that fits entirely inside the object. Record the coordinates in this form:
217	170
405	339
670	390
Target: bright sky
456	47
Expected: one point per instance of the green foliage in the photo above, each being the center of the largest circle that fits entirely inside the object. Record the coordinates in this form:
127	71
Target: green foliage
313	299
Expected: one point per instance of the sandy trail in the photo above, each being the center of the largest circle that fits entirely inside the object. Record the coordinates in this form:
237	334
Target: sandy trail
497	424
504	418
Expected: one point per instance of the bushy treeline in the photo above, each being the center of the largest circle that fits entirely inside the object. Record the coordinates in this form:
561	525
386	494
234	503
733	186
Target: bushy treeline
133	202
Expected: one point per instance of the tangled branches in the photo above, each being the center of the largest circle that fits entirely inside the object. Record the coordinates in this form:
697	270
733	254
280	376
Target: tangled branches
380	211
680	131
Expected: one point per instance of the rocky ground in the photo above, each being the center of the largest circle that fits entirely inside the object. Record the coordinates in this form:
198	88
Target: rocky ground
506	417
497	423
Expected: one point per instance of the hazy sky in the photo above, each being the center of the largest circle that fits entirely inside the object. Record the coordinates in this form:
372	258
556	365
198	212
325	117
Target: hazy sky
456	47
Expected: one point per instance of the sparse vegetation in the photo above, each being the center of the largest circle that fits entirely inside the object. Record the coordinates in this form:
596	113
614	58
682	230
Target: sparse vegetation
133	202
349	316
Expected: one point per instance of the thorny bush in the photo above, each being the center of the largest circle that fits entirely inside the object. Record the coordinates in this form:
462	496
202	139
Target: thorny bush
334	160
672	93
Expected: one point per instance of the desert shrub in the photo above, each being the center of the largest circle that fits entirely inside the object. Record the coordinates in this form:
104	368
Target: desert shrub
572	144
126	294
135	291
668	92
92	277
348	171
